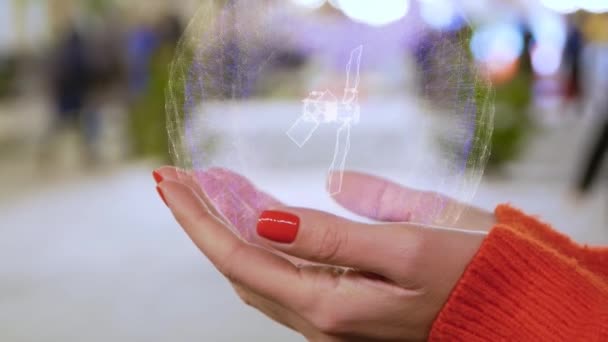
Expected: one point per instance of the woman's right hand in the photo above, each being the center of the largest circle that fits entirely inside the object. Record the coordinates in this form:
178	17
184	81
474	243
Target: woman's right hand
335	280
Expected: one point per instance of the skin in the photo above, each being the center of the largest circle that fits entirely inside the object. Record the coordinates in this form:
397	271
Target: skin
339	280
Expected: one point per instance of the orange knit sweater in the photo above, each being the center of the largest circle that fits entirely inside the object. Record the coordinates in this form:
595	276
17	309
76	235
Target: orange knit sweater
528	283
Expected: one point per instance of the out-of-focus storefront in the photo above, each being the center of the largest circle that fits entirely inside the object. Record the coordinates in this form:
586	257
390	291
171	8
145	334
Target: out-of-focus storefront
87	251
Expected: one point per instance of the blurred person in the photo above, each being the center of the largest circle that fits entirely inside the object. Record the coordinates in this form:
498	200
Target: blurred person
141	43
591	167
572	59
70	75
105	57
70	85
487	277
596	34
85	69
144	40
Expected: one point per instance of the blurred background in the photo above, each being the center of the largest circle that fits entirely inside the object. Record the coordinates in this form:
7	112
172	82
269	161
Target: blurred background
87	250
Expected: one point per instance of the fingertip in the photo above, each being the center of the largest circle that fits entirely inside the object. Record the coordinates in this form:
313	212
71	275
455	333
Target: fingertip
166	172
157	176
330	184
278	226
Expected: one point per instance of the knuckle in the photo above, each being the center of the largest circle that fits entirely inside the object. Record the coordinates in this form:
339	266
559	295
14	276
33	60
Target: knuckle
329	321
331	241
387	210
247	300
244	295
433	204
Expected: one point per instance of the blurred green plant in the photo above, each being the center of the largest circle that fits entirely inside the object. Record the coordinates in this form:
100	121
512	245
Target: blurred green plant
512	122
502	121
147	125
8	73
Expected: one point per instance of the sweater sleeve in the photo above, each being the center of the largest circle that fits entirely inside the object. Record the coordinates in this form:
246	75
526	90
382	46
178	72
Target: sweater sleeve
595	259
528	283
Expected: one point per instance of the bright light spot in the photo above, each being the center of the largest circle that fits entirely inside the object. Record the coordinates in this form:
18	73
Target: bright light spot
439	14
497	45
549	28
313	4
596	6
376	13
546	59
334	3
550	33
561	6
570	6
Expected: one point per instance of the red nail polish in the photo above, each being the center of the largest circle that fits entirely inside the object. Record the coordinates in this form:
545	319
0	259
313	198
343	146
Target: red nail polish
157	177
160	193
278	226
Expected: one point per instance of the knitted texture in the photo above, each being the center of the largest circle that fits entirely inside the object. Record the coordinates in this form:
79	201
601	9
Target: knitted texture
528	283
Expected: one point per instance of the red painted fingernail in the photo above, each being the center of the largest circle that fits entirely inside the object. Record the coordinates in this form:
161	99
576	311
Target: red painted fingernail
278	226
157	177
160	193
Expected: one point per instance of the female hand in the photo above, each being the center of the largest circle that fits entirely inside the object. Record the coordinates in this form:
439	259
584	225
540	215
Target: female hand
329	278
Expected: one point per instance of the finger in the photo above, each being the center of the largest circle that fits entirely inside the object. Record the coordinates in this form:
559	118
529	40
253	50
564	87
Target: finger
358	306
361	306
244	203
325	238
256	198
383	200
273	310
236	198
166	172
216	180
387	249
255	268
178	175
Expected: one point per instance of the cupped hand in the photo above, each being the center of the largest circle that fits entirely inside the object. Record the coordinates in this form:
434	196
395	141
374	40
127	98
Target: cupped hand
329	278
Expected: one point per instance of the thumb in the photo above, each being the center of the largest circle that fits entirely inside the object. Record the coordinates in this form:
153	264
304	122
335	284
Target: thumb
381	199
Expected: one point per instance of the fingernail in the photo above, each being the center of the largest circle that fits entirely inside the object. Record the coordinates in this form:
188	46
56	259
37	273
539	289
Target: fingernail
160	193
157	177
278	226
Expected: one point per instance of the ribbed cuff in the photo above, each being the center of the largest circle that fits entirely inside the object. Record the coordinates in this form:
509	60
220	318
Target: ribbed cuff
517	288
595	259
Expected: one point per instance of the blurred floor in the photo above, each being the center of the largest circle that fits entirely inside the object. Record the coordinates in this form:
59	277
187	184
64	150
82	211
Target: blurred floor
113	268
96	257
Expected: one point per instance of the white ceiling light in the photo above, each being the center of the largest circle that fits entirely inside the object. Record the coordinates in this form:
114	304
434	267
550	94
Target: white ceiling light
376	13
571	6
312	4
595	6
439	14
546	59
561	6
497	45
